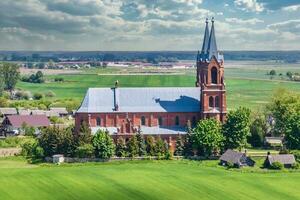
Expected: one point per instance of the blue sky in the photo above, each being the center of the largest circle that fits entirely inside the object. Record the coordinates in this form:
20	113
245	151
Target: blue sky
148	24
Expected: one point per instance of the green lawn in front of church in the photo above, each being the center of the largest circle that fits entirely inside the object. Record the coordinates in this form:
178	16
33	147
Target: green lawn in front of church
142	180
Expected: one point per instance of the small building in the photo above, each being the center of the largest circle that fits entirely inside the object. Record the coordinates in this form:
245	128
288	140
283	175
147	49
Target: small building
8	111
13	124
286	159
24	112
61	111
238	159
273	141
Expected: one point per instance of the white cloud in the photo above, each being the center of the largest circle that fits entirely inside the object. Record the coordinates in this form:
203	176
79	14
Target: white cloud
252	21
292	8
249	5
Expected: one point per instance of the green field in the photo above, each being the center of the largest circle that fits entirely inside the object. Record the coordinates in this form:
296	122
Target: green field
142	180
253	93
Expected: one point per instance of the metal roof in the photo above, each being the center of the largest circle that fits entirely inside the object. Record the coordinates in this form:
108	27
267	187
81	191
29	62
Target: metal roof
232	156
282	158
156	99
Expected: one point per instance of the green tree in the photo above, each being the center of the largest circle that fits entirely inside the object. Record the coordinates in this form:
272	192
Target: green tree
103	144
141	144
133	146
121	148
84	136
293	132
289	74
85	151
207	137
160	148
272	72
188	144
55	140
258	130
179	146
150	145
237	128
283	106
11	75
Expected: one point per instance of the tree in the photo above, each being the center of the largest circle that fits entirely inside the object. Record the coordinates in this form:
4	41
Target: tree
103	144
207	137
141	144
289	74
258	130
188	144
84	136
133	146
179	146
272	72
283	106
293	132
121	148
55	140
237	128
160	148
150	145
11	75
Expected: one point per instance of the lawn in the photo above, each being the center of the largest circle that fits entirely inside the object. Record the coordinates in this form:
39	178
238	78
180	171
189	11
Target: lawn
142	180
240	91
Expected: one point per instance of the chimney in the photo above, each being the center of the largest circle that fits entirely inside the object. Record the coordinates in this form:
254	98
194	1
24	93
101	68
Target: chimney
116	96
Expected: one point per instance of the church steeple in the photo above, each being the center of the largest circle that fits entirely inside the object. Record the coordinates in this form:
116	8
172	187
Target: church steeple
212	43
205	40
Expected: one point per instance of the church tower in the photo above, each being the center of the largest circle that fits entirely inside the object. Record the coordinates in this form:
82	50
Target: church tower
210	77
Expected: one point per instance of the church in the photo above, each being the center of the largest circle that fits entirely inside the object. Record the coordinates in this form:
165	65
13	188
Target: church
160	111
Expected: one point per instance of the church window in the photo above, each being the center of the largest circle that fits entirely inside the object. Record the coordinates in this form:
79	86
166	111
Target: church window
211	101
160	121
98	121
177	121
143	121
217	102
214	75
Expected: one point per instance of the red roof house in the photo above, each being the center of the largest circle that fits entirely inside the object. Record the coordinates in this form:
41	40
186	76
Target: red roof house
16	121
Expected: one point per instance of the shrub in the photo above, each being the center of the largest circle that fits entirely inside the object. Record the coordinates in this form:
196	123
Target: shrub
22	95
103	144
169	155
276	166
121	147
150	146
296	153
133	146
58	79
179	146
230	165
85	151
11	142
37	96
50	94
32	150
296	166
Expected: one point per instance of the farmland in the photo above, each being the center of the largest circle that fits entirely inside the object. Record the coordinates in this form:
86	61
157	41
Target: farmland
142	180
246	85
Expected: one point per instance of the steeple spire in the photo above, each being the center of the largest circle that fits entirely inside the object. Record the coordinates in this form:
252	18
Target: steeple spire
205	39
212	43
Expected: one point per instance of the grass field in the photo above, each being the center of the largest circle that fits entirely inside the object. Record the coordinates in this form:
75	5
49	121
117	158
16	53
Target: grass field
253	93
142	180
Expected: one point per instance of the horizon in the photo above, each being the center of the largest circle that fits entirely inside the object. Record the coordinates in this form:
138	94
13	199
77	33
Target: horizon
92	25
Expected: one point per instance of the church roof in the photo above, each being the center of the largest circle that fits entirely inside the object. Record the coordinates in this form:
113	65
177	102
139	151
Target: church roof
156	99
205	39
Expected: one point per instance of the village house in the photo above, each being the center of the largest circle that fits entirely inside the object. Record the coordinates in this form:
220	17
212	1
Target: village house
13	124
286	159
160	111
238	159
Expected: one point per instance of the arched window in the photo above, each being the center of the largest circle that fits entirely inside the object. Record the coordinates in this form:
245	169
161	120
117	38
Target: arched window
211	101
177	121
160	121
98	121
217	102
194	121
143	121
214	75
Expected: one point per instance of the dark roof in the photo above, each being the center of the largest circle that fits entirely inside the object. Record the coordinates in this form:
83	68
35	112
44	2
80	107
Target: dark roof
232	156
205	40
31	120
285	159
212	43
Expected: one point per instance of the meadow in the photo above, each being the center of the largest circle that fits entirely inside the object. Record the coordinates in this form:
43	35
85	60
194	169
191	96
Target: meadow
142	180
245	86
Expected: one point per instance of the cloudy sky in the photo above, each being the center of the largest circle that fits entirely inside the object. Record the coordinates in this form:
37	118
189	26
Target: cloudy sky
148	24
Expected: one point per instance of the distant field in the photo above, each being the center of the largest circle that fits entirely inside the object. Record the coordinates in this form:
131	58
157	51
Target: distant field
241	91
142	180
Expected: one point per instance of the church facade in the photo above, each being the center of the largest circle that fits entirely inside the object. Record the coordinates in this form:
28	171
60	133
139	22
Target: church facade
160	111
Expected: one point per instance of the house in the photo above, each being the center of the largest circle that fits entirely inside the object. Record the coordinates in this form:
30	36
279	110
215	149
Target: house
24	112
13	124
160	111
8	111
286	159
238	159
60	111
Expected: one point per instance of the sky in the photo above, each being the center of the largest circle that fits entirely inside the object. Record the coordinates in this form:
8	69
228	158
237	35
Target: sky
147	25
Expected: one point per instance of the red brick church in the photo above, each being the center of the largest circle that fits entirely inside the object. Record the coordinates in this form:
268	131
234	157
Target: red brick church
163	111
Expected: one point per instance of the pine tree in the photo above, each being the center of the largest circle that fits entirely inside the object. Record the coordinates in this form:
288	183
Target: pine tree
121	147
150	146
160	148
179	147
188	145
141	144
133	146
85	134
